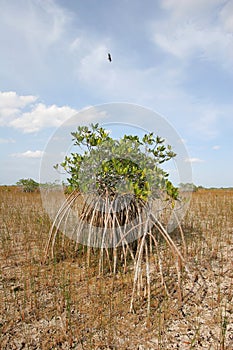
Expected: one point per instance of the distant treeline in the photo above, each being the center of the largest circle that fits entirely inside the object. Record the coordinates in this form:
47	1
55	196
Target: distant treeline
30	185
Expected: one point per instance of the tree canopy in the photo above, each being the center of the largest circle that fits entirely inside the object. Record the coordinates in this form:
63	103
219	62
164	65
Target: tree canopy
128	165
28	185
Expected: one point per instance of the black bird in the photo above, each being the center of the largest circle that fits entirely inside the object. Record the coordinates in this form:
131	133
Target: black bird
109	57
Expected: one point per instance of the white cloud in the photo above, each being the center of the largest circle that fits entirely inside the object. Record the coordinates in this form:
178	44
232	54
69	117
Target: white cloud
189	40
29	115
34	36
226	16
37	116
196	29
92	66
11	104
28	154
194	160
216	147
46	20
12	100
42	116
182	8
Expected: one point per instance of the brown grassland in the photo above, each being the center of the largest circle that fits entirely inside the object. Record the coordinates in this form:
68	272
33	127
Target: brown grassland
65	304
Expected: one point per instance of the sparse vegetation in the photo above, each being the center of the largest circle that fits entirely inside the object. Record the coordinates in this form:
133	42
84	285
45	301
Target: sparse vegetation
64	304
28	185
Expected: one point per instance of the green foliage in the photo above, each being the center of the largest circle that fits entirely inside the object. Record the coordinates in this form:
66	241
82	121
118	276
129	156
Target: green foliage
127	165
28	185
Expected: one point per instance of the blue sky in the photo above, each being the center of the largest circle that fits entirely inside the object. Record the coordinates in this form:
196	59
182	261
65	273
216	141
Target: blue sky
174	57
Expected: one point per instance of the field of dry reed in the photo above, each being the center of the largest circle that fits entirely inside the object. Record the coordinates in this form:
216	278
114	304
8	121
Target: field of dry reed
65	304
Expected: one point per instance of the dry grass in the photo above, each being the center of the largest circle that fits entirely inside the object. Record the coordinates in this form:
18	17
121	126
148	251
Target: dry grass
64	304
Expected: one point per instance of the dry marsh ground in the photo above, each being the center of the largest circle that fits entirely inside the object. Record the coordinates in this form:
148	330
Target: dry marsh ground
64	304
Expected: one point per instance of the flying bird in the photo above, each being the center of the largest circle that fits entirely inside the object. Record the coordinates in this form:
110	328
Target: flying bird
109	57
